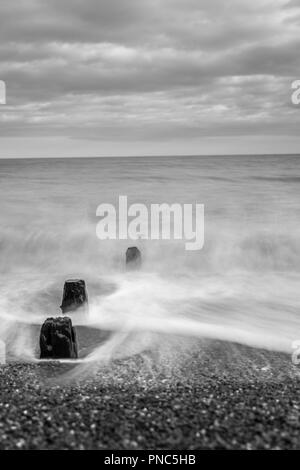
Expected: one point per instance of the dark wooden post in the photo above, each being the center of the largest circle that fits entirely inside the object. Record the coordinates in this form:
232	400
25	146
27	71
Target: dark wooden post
74	296
58	339
133	258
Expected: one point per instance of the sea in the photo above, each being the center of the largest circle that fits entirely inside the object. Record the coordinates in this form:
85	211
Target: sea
243	286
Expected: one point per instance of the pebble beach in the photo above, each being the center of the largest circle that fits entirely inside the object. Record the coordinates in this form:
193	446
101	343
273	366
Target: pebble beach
217	396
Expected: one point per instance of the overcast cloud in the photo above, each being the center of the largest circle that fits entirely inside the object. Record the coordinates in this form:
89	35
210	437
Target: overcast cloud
140	76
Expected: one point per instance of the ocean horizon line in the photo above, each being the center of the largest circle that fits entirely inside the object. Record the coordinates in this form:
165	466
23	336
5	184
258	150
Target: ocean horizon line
95	157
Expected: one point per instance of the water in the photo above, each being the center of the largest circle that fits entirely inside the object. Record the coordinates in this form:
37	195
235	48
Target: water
243	286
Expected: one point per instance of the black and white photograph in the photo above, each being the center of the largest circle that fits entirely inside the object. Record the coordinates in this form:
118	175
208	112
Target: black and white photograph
149	227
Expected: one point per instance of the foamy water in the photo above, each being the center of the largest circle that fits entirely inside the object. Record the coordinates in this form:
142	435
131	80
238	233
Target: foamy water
243	286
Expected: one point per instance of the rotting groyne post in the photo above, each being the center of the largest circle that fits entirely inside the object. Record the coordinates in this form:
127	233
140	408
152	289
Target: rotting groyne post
133	258
74	296
58	339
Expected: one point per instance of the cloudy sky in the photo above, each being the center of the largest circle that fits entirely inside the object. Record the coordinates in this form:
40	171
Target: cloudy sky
149	77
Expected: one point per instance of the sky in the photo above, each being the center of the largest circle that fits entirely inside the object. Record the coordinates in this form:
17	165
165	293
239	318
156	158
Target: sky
149	77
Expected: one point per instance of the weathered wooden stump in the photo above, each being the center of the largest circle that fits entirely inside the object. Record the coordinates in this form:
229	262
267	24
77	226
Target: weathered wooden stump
74	296
133	258
58	339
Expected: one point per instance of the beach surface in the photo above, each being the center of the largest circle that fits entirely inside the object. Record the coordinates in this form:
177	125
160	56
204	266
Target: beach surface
217	396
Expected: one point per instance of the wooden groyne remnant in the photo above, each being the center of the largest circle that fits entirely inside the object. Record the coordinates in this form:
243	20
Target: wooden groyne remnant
133	258
74	296
58	336
58	339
